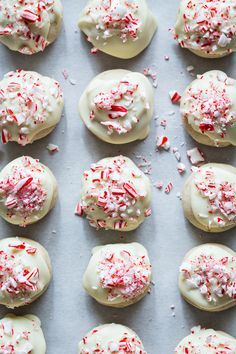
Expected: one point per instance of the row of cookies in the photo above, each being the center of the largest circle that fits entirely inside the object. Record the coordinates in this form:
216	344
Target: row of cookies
117	107
121	28
116	194
118	276
23	334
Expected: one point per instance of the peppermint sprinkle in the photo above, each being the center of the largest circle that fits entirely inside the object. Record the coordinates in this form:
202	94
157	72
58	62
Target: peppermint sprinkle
115	110
163	143
21	192
115	19
221	196
214	277
195	156
174	96
126	276
169	188
53	148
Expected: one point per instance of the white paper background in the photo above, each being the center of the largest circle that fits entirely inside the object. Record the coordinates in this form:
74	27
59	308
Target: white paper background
66	311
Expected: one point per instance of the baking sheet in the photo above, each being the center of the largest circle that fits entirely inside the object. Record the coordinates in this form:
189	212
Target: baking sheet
65	310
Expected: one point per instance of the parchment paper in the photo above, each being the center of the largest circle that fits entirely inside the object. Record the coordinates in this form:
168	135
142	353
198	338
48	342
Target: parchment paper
65	310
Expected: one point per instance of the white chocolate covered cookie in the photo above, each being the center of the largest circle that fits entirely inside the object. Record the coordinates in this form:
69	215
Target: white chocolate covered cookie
207	277
118	275
29	26
207	341
209	197
30	106
207	28
121	28
208	108
28	191
110	339
21	335
117	106
115	195
25	271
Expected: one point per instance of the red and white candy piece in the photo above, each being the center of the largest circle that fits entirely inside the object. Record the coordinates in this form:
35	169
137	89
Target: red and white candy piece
163	142
175	96
195	156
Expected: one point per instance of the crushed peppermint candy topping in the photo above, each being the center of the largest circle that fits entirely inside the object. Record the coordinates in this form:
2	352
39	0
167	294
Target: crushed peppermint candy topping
115	110
176	153
206	341
220	194
26	21
215	278
112	195
209	109
14	339
115	18
20	191
195	156
17	280
152	73
25	104
127	276
127	344
209	26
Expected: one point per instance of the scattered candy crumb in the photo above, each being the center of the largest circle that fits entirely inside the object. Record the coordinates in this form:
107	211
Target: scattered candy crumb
52	148
174	96
169	188
163	143
151	72
195	156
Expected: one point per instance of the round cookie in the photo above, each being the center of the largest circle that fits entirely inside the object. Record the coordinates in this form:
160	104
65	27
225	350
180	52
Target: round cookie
21	335
115	194
209	197
208	108
207	28
29	27
28	191
111	338
207	277
30	106
117	106
25	271
118	275
206	341
121	28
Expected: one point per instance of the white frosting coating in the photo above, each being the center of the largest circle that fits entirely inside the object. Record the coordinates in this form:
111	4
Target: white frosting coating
30	106
211	197
25	271
118	275
117	106
208	106
207	28
111	339
121	28
206	341
28	191
21	335
29	26
207	277
115	194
